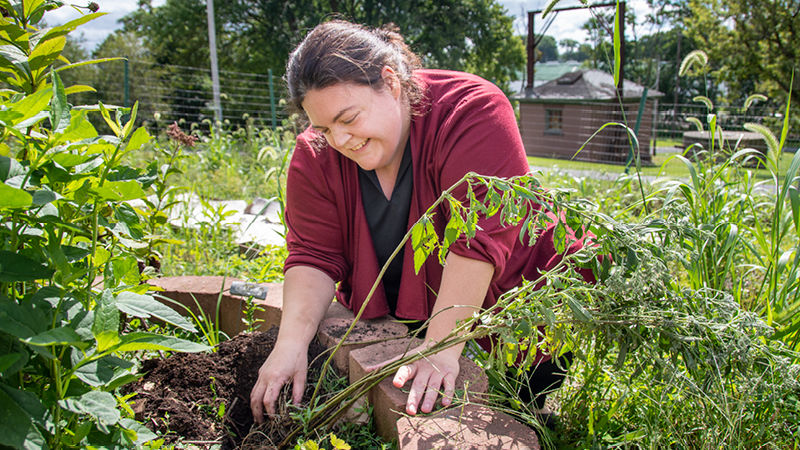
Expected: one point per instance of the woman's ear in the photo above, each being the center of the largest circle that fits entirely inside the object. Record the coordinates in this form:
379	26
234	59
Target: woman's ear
391	81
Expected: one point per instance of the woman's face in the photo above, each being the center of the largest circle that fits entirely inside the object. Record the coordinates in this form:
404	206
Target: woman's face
366	125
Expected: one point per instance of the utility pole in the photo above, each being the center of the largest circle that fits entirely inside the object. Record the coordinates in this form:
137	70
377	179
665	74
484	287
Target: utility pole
212	48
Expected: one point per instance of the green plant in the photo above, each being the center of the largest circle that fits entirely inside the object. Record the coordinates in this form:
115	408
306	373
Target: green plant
746	237
250	310
643	341
156	210
68	270
206	322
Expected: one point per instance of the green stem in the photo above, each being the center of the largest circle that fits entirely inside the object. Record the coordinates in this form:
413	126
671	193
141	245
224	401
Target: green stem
378	279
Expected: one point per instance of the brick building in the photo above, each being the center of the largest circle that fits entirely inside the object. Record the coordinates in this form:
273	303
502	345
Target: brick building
558	117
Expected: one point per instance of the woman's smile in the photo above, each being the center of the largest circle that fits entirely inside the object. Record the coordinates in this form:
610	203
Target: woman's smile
359	146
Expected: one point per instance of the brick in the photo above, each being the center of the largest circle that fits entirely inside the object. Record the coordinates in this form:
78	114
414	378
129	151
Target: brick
366	332
273	307
389	402
337	310
206	289
471	426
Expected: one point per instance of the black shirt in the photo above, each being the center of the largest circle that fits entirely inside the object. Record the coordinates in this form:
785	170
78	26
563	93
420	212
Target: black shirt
387	220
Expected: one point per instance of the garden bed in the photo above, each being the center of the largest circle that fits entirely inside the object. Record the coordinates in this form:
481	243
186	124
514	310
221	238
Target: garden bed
204	399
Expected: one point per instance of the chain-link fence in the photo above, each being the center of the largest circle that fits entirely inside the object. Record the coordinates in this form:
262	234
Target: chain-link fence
168	93
672	122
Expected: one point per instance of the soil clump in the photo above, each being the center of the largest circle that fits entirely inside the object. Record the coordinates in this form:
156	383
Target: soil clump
204	398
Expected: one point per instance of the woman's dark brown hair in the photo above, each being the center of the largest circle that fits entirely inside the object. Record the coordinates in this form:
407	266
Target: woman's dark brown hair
340	51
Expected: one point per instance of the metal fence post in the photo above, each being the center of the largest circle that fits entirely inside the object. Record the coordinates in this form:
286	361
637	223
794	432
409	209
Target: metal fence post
272	101
126	101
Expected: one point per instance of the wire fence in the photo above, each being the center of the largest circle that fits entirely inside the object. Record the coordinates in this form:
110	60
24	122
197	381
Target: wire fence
673	126
168	93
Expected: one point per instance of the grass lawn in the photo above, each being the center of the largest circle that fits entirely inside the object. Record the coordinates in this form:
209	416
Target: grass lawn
665	164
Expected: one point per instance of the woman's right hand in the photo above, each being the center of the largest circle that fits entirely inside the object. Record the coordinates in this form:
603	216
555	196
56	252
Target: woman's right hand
285	363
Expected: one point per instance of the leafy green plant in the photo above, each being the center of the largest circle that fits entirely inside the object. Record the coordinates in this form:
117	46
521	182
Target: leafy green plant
746	238
156	209
206	322
639	336
68	267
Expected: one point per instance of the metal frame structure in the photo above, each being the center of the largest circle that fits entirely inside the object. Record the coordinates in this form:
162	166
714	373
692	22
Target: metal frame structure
533	42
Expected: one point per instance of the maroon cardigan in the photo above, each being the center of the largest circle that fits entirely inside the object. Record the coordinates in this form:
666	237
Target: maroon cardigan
467	124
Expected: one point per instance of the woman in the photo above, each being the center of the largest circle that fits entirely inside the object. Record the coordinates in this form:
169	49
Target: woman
386	138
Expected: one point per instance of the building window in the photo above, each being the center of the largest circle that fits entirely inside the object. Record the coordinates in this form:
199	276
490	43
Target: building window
552	121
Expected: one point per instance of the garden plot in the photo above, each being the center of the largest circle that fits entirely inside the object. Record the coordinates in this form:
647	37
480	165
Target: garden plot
204	398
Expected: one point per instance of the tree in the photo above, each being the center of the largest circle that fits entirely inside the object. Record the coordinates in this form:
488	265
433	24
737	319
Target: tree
256	35
570	45
752	44
547	50
650	63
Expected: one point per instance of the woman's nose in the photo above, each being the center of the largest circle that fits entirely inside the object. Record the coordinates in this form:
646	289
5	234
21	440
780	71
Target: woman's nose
339	138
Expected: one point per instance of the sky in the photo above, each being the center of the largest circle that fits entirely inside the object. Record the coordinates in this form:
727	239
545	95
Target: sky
566	25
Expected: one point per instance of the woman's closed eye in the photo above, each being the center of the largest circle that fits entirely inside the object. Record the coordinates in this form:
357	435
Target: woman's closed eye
350	120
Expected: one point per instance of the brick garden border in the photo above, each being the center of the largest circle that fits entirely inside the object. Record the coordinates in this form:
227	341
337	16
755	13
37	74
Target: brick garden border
472	426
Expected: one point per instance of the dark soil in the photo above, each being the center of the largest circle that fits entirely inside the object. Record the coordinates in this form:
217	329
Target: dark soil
180	397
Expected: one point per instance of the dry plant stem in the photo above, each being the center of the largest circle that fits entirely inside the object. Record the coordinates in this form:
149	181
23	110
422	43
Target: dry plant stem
378	279
467	330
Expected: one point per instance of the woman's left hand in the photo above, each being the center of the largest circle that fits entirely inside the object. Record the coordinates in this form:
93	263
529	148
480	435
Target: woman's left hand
431	376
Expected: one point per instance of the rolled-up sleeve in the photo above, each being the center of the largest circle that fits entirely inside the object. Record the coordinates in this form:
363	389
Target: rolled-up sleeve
314	234
481	135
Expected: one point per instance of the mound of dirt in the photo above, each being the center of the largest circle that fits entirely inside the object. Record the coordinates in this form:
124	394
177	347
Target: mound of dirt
204	398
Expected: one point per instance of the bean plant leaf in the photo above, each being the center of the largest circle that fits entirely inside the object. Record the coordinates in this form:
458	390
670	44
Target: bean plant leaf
116	191
57	336
59	108
10	168
560	237
98	404
142	433
8	360
16	267
102	371
20	411
105	327
145	306
44	196
13	198
20	320
148	341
